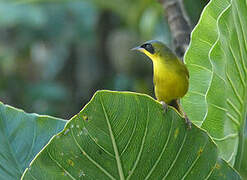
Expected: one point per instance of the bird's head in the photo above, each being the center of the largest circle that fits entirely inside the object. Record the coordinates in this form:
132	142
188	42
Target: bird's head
155	50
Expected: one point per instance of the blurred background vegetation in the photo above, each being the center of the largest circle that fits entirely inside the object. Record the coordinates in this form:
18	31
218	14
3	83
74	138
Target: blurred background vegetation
55	54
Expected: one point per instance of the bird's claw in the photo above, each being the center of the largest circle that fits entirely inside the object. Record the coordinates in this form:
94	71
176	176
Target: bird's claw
164	105
188	122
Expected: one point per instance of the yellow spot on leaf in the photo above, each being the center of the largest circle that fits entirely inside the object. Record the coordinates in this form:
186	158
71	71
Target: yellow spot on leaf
217	166
176	133
200	151
85	117
71	163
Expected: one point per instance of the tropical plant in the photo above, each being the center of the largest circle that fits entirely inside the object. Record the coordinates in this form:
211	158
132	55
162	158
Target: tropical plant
126	135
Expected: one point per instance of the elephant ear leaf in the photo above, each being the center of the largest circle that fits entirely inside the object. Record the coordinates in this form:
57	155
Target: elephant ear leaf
22	136
217	61
120	135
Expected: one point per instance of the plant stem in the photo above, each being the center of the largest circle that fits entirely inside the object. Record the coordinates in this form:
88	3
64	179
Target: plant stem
178	23
238	160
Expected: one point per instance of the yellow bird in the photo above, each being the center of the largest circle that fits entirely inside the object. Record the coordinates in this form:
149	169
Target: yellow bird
171	77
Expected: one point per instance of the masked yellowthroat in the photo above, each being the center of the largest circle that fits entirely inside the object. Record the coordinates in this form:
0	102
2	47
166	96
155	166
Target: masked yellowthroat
171	77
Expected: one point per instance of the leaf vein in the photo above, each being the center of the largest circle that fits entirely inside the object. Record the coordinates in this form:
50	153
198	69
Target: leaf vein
234	89
211	171
204	41
179	151
231	157
59	165
142	145
90	159
233	119
126	122
243	35
218	107
198	93
229	136
202	67
234	107
131	136
194	162
32	175
237	65
101	147
31	148
163	150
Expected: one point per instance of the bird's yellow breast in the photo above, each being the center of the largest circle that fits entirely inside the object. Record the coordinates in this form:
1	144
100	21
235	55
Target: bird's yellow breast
170	80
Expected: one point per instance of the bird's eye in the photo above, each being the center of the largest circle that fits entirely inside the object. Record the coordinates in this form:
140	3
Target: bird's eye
149	48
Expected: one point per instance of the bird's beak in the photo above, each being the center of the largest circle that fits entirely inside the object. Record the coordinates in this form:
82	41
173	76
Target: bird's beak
138	48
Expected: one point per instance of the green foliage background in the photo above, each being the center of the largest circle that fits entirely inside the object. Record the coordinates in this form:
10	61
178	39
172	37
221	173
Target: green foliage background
218	68
55	54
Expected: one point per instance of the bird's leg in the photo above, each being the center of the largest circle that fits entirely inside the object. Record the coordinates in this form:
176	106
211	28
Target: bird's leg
175	103
164	105
187	121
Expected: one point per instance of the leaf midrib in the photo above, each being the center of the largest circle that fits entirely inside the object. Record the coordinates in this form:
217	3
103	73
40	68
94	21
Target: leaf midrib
114	144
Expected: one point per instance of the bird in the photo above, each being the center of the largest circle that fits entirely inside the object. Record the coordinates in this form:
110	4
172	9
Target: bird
170	75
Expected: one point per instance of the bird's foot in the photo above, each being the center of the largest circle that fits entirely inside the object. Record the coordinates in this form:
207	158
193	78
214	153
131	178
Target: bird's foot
164	105
188	122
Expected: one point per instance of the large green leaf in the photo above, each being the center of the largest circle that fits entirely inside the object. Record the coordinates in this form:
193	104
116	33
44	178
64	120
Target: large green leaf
217	59
22	136
121	135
